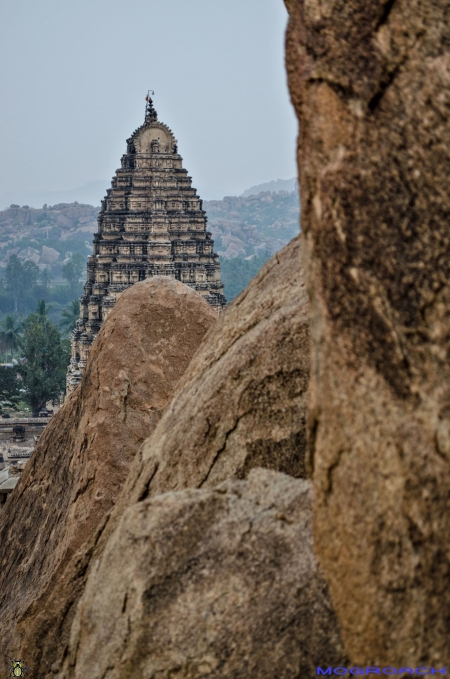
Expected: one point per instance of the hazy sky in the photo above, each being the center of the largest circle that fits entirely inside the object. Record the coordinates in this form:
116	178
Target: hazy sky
74	75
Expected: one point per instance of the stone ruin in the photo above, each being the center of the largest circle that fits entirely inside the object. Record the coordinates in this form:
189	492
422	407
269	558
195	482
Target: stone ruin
151	224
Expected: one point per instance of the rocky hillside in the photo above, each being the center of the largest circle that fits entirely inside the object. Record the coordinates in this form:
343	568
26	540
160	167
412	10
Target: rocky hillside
253	225
275	185
242	227
46	236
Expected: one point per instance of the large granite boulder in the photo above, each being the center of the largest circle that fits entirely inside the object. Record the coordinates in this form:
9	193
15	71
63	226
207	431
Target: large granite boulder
219	582
79	466
242	401
242	405
49	255
218	589
371	85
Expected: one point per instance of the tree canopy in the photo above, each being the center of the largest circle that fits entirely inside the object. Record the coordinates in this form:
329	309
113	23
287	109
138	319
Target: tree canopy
237	273
9	385
73	269
46	359
45	278
69	317
10	333
23	284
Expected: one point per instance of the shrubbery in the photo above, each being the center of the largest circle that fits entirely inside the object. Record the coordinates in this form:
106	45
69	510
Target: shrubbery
23	285
38	373
237	273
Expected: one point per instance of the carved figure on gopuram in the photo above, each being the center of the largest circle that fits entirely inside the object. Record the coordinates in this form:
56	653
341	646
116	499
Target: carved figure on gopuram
151	223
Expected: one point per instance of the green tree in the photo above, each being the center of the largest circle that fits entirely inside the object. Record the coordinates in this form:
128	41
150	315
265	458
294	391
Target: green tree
9	385
14	279
30	275
45	278
237	273
72	271
10	334
42	310
69	317
20	280
46	360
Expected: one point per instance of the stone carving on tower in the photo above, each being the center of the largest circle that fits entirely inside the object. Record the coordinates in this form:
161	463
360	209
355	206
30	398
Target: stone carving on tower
151	223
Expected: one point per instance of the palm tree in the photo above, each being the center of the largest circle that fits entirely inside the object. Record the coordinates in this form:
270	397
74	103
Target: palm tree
10	333
70	317
42	310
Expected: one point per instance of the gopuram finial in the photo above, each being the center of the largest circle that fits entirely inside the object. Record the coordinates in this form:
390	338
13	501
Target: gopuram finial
150	113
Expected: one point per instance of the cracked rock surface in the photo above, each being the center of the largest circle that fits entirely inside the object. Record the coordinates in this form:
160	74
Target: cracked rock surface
370	82
48	525
219	582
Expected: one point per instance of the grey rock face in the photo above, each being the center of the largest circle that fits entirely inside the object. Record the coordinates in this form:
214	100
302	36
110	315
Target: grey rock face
49	255
209	583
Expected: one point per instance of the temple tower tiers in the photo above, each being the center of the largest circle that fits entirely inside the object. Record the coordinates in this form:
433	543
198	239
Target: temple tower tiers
151	224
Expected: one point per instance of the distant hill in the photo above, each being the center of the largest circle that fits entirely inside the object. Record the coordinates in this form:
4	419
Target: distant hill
255	225
274	186
90	194
47	236
93	192
250	228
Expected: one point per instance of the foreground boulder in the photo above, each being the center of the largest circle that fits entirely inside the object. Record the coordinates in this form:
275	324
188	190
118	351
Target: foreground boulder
371	85
241	405
217	582
211	580
79	466
242	402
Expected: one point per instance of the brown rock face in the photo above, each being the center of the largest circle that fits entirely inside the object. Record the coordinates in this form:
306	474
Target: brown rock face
242	402
218	581
215	582
80	464
371	85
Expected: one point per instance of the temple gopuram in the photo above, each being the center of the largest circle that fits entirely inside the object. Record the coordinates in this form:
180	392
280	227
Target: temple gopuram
151	223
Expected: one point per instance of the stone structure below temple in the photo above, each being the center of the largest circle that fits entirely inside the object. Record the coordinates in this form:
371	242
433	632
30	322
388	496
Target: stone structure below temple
151	224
